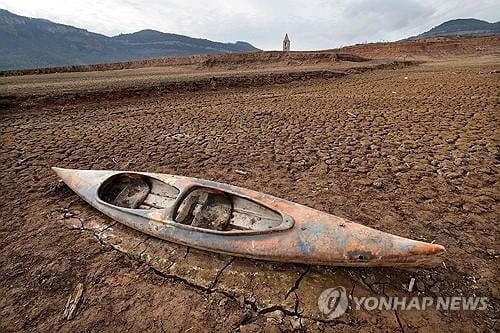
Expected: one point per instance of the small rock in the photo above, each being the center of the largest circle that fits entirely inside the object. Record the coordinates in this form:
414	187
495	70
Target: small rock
378	183
435	289
295	322
420	286
60	188
73	222
275	316
178	136
411	284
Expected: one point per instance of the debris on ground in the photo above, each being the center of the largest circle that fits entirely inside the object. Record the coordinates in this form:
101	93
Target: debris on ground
73	301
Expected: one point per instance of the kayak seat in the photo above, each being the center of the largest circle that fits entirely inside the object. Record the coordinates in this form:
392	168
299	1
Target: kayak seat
205	209
127	191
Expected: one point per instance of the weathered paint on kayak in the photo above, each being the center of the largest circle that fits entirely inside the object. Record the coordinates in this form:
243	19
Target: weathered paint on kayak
307	236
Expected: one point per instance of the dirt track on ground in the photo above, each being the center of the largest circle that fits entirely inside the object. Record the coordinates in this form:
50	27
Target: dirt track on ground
412	151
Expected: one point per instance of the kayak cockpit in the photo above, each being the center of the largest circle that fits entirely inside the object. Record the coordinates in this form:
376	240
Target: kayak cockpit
135	191
198	206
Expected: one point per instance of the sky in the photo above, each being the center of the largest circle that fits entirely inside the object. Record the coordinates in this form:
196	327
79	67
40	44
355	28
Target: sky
310	24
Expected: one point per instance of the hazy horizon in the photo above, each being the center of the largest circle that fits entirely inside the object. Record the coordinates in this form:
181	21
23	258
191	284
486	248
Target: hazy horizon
317	24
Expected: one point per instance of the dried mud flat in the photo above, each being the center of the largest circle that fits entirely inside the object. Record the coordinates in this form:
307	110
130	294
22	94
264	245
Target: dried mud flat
412	150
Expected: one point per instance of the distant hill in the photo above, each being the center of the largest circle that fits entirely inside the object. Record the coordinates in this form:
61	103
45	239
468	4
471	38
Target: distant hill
31	43
462	27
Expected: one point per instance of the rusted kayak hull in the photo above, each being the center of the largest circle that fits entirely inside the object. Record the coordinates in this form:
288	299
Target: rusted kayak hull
295	233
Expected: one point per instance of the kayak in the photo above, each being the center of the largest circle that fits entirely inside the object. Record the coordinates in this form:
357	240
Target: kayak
240	222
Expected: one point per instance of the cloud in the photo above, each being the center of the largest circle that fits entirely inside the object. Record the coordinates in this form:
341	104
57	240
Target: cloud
313	24
371	19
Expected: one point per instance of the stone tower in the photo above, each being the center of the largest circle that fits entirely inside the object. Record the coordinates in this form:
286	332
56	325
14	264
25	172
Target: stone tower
286	43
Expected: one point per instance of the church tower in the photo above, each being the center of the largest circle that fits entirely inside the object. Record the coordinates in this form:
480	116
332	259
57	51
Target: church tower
286	43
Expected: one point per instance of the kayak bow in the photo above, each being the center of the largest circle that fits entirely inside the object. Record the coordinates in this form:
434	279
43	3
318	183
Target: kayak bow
231	220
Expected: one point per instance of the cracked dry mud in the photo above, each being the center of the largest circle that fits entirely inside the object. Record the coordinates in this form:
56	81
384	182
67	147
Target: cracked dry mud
412	151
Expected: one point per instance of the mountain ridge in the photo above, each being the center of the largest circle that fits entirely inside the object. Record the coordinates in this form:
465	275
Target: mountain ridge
34	43
461	27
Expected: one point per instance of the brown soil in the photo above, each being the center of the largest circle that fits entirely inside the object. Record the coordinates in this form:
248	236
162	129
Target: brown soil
434	48
412	150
